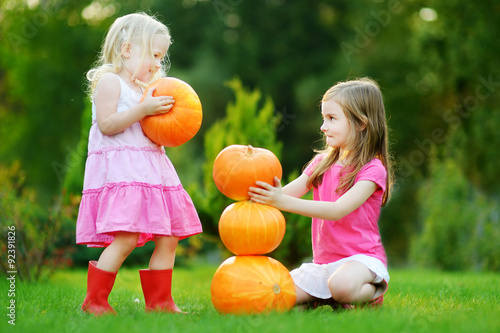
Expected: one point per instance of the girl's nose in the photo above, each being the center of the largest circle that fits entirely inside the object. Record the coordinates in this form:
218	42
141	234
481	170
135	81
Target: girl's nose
157	63
322	127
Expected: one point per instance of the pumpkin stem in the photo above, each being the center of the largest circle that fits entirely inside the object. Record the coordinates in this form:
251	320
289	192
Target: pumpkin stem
249	150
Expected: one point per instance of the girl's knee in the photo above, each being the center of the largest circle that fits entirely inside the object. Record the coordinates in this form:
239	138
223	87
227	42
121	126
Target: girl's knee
167	242
352	282
342	290
126	241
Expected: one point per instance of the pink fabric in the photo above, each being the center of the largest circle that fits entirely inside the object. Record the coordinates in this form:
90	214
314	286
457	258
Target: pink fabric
131	185
356	233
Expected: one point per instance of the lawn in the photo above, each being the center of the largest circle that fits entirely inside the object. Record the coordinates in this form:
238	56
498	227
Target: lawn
417	301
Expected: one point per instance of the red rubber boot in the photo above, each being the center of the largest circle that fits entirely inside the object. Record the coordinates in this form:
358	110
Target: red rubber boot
99	285
157	289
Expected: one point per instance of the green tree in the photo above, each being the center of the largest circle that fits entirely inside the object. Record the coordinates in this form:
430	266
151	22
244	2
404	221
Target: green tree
249	120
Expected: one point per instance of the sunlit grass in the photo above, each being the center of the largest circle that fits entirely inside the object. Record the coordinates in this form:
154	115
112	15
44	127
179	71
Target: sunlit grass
417	301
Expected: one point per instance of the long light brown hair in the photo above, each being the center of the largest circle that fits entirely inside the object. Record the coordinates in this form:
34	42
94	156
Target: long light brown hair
363	106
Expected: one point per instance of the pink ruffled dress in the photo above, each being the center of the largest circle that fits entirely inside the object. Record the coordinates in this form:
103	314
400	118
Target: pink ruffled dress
131	185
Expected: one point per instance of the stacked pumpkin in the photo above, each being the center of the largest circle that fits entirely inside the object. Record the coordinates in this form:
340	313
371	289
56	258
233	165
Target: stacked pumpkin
249	282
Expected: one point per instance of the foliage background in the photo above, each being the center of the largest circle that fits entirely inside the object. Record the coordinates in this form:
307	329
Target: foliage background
437	62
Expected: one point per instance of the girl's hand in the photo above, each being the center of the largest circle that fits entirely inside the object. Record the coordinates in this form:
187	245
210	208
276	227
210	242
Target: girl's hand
268	194
156	105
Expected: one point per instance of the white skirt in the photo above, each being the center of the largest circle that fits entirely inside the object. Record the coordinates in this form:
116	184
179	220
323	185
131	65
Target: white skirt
313	278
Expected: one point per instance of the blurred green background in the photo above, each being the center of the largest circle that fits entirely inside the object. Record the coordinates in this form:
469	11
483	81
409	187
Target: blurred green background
260	69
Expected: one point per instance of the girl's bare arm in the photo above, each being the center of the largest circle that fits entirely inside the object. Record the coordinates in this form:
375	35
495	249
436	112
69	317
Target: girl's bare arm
276	196
106	97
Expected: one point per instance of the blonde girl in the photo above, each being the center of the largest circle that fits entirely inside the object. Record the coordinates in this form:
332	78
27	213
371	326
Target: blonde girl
351	180
131	193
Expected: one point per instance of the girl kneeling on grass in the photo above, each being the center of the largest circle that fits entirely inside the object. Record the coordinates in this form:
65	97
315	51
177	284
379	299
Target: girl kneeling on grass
351	180
131	193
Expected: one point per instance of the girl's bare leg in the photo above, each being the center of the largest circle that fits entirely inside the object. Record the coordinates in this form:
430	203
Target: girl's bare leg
303	297
115	254
352	283
163	256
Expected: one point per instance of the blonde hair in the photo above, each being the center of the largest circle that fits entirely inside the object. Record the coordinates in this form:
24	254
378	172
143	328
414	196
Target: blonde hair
138	28
363	106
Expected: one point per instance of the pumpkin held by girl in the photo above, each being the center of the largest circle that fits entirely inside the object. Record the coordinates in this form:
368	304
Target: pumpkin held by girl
182	122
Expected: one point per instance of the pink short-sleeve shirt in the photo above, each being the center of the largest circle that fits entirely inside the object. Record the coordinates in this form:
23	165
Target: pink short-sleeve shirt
357	232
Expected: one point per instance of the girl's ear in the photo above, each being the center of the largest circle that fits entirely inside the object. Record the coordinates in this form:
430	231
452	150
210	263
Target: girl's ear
363	123
126	49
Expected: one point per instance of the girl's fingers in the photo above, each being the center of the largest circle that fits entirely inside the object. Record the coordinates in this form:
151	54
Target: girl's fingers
165	108
258	199
163	100
168	100
264	185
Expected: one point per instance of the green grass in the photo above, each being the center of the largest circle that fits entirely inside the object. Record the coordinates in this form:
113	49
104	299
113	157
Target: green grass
417	301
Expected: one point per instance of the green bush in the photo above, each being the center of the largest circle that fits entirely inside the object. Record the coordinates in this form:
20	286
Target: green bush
460	224
42	240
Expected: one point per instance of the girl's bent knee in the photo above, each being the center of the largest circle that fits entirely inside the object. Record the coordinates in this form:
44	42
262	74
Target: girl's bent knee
341	290
126	241
340	294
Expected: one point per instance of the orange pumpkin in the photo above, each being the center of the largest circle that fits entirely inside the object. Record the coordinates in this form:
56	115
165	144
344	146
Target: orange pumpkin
252	284
182	122
248	228
238	167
